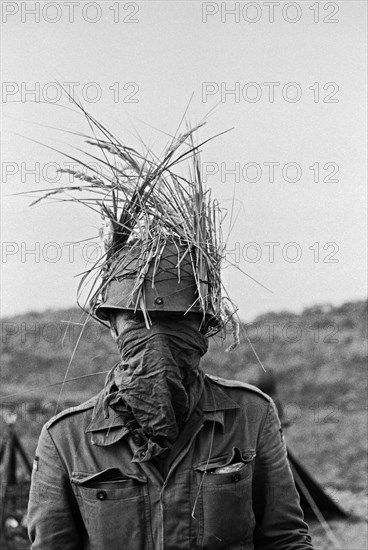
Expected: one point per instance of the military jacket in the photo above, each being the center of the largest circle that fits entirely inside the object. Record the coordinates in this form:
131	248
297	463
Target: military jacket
227	484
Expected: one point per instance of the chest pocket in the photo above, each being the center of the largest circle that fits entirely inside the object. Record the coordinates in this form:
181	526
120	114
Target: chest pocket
224	504
113	507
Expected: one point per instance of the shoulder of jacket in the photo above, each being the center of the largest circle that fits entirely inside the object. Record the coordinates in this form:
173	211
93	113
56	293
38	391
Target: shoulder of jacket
237	384
72	410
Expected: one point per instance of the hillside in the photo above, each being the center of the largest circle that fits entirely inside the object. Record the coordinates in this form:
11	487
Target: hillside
319	354
317	360
315	366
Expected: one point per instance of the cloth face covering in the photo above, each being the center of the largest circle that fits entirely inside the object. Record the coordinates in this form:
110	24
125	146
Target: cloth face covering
158	380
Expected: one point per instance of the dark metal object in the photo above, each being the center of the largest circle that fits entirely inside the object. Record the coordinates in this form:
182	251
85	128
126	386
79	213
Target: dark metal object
13	491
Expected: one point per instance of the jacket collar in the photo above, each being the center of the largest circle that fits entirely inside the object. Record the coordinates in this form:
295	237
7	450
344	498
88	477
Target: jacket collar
215	399
100	421
214	404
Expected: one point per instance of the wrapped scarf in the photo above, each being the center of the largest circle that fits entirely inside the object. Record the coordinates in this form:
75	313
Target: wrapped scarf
158	383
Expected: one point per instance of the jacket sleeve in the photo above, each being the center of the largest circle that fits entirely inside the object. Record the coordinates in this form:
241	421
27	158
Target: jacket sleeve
279	517
53	515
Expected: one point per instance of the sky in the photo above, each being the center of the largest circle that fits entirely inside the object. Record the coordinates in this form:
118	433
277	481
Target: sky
287	77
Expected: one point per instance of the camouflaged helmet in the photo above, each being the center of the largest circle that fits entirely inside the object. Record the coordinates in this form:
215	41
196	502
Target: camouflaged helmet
161	230
169	284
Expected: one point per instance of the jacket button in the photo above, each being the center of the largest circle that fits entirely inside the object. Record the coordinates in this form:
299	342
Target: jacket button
236	477
101	495
137	439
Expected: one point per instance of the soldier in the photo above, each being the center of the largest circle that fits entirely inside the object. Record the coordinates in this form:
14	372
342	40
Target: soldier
165	456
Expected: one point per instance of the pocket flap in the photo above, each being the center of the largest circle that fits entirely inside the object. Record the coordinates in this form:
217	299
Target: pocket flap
109	475
235	456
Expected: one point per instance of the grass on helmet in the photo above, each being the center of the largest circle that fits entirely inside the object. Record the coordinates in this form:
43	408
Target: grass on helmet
146	202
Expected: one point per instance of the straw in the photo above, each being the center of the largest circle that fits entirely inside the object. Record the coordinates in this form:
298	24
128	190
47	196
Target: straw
144	203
